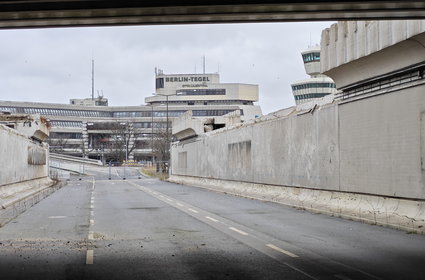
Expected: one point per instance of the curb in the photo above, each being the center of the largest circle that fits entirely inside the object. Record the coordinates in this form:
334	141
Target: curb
401	214
12	209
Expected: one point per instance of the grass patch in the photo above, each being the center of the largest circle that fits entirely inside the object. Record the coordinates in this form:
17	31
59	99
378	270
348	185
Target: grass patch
151	172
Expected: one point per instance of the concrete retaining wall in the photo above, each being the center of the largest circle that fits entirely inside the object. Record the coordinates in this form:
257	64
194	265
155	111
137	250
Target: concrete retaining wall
24	177
371	146
21	159
17	198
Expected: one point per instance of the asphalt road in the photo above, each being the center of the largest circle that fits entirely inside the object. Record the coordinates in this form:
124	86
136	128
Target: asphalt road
96	228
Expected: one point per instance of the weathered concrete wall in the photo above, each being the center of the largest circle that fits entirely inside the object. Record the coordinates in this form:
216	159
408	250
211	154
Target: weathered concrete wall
371	146
352	52
347	41
21	159
381	142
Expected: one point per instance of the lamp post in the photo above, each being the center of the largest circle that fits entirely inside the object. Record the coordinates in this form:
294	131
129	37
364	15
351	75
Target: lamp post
167	140
166	131
152	150
124	138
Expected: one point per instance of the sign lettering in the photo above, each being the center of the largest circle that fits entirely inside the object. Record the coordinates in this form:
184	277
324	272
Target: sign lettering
186	79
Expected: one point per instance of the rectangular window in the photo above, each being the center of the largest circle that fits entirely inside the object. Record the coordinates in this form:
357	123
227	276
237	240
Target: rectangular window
159	83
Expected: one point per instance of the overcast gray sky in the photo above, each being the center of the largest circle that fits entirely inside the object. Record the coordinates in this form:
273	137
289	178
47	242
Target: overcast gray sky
54	65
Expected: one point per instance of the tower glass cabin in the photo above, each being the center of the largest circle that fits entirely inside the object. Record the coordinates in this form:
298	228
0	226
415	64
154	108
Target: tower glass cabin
317	85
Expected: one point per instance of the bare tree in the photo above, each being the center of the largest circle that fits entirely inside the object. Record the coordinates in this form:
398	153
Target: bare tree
161	148
123	139
57	145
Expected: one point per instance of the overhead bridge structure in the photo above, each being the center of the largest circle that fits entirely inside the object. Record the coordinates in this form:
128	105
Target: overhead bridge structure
73	13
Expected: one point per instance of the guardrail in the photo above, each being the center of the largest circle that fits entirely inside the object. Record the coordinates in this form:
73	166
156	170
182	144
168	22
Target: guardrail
75	159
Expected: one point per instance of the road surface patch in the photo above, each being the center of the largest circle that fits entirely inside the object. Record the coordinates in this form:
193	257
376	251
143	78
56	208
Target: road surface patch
282	251
238	231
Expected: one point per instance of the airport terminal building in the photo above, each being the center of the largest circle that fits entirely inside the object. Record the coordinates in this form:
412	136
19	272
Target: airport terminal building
90	128
201	89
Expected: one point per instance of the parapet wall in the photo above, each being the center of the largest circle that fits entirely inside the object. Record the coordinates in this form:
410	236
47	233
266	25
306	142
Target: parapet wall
371	146
347	41
21	158
354	51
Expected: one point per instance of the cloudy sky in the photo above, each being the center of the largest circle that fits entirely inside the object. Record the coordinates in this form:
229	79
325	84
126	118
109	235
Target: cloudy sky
54	65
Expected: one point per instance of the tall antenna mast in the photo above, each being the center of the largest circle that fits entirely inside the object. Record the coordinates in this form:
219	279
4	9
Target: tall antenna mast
310	41
92	79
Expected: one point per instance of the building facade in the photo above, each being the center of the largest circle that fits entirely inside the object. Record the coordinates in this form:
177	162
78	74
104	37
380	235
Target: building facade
318	85
201	89
117	133
98	101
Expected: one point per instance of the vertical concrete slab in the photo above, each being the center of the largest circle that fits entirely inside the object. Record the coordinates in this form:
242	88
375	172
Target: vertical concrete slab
379	144
304	150
272	158
327	171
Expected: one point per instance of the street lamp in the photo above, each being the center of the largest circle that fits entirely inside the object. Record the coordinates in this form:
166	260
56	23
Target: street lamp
126	150
153	156
167	126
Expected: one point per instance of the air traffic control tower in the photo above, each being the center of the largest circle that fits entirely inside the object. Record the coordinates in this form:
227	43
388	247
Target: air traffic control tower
318	85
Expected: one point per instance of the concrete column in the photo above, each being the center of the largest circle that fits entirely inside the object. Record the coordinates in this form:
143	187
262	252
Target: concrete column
85	139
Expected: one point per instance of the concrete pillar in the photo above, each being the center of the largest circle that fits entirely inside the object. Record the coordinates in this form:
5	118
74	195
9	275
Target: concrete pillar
85	133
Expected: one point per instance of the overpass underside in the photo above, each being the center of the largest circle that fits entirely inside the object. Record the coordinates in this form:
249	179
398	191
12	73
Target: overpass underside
72	13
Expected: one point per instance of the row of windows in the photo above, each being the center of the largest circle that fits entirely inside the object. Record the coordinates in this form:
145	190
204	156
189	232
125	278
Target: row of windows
147	114
63	112
149	125
131	114
310	95
78	113
66	124
7	109
314	85
209	102
65	135
201	92
210	113
101	114
309	57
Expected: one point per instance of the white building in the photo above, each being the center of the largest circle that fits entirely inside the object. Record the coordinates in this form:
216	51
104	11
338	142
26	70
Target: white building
204	90
317	85
98	101
88	127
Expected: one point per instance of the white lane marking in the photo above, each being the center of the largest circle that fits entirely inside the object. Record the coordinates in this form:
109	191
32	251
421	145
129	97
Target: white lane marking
91	235
212	219
92	213
193	210
57	217
179	204
281	250
169	199
89	257
91	222
342	277
238	231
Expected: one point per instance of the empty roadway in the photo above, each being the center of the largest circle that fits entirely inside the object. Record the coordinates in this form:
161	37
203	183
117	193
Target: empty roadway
96	228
